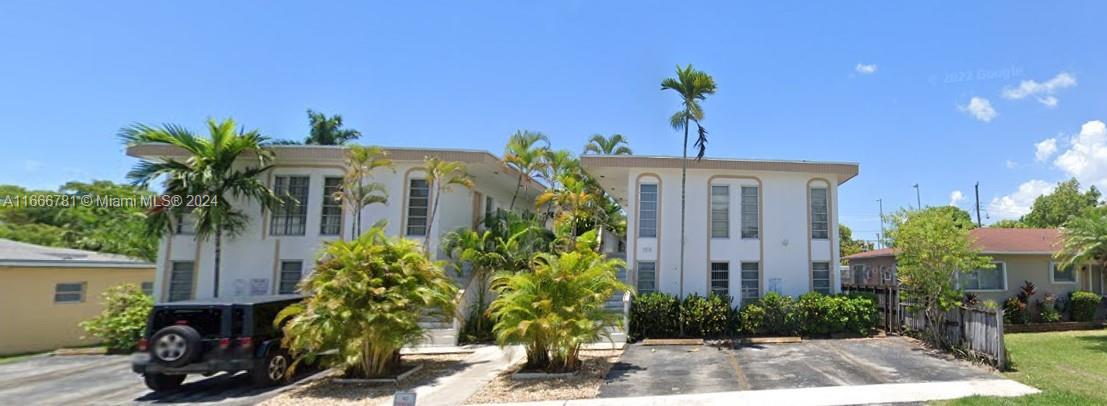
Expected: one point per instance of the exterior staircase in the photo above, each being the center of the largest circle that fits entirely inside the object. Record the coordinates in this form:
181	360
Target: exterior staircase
618	303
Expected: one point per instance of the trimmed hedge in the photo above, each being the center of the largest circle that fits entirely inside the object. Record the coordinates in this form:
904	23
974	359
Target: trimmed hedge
659	315
1083	305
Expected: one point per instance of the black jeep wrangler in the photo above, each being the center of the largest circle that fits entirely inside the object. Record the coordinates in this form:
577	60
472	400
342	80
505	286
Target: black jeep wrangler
213	335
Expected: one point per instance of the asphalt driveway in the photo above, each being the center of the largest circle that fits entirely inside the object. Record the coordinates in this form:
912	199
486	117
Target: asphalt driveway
108	380
666	370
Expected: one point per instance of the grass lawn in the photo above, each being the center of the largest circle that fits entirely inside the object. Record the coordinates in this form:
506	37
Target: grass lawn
1069	368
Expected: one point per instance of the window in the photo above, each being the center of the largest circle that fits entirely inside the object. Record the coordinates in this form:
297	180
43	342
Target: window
820	277
418	200
720	212
750	227
148	288
647	277
985	279
1066	275
858	274
69	292
720	278
751	282
180	281
488	203
330	222
291	271
886	274
290	216
820	220
647	210
186	223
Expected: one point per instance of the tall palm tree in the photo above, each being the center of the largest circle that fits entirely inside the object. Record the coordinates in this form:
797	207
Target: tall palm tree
209	170
328	130
357	192
616	144
525	153
1084	239
692	86
441	175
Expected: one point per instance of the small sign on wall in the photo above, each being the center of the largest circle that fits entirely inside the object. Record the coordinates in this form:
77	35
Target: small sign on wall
259	287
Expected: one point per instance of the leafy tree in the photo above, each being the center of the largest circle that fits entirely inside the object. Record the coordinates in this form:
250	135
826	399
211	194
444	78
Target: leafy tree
365	299
212	169
848	245
616	144
525	152
693	86
357	191
1054	209
121	324
1008	223
480	250
441	176
1084	239
932	247
328	130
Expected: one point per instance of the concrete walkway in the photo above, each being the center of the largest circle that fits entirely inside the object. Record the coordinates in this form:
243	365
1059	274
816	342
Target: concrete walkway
821	396
481	367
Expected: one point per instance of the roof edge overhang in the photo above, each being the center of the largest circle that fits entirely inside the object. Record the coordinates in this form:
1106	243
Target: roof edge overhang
844	170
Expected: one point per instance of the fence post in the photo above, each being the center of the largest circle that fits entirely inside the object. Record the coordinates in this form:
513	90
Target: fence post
1001	356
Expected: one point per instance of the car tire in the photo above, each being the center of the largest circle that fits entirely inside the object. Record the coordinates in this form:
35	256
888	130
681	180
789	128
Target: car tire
175	346
163	382
273	370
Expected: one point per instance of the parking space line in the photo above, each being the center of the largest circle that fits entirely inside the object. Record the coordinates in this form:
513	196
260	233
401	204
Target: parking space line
743	382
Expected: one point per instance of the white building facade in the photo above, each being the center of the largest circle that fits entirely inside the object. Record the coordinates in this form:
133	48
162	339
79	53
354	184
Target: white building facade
278	247
751	226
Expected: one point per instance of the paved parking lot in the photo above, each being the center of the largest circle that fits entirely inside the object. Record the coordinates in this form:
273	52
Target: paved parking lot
665	370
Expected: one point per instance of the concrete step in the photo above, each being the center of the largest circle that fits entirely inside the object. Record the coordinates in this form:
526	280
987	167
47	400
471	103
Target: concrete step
439	337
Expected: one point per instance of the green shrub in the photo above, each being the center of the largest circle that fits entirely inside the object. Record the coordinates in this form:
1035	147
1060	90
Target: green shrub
654	315
1014	311
779	315
1083	305
121	324
709	317
751	319
822	315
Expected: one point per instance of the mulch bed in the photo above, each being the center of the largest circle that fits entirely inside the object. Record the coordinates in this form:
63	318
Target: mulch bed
583	385
328	392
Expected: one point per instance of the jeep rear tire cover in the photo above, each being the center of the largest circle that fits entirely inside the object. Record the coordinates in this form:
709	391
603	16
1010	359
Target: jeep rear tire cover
175	345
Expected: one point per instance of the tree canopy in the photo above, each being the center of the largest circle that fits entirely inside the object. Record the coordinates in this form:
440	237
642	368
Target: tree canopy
1054	209
848	245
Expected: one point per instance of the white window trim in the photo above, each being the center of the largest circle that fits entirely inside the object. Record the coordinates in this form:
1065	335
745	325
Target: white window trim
711	212
1005	282
741	215
656	211
1075	275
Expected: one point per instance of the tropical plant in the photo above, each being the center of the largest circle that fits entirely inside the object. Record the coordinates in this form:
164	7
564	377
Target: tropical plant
121	324
575	205
442	176
1084	239
478	250
357	190
210	172
558	307
517	237
328	130
616	144
693	86
365	299
655	315
526	153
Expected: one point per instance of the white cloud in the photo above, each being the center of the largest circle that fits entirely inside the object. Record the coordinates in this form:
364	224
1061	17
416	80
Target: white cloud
1017	204
1043	91
1011	164
1086	158
865	69
980	108
1045	149
956	197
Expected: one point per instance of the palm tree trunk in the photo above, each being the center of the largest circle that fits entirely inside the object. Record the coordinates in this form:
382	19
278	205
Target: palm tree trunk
683	192
517	187
430	221
218	257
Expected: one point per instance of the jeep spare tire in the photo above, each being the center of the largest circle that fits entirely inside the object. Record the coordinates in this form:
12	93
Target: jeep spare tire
175	346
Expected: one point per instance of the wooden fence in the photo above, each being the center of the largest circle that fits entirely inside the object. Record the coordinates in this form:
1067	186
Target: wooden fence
978	331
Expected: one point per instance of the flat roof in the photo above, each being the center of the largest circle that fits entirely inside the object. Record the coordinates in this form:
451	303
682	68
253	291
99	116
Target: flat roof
21	254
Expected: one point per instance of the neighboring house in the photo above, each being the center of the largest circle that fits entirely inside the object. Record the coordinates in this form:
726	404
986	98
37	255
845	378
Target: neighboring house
752	226
46	291
1019	255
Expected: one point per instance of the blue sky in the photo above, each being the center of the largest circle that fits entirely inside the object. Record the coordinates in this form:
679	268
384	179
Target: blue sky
892	88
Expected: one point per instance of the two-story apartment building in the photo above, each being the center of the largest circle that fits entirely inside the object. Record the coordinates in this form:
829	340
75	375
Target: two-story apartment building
752	226
278	247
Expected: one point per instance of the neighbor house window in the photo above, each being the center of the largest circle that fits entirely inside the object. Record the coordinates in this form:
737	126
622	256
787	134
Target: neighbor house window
647	277
418	200
69	292
820	219
180	280
858	274
148	288
820	277
886	274
751	282
985	279
330	221
720	212
291	272
1058	275
749	212
290	216
720	278
647	210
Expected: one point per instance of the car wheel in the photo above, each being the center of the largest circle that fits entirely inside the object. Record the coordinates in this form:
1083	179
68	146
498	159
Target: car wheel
273	370
175	345
163	382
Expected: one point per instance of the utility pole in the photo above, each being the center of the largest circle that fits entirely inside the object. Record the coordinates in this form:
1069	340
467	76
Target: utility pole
977	189
881	239
918	198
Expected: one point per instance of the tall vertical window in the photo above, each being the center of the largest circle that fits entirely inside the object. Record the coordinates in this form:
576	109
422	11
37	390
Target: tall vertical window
720	278
647	277
751	282
647	210
330	221
750	228
290	217
820	277
418	200
858	274
720	212
186	222
488	203
291	272
69	292
180	280
820	218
